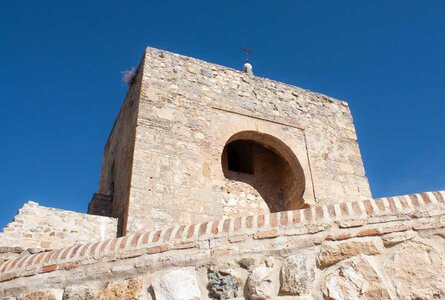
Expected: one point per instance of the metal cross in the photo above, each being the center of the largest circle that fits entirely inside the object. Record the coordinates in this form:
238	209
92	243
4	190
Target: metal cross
247	50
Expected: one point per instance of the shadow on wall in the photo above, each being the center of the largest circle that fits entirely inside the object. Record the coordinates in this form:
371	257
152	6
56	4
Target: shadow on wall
268	165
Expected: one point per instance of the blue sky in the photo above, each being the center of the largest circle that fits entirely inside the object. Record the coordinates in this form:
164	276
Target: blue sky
60	85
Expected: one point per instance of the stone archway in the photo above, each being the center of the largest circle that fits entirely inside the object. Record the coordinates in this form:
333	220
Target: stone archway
265	166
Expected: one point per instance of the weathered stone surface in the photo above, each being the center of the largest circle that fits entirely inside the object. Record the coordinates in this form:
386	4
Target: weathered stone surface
354	279
222	285
259	283
263	260
128	289
36	228
53	294
17	250
180	284
297	274
168	145
395	238
333	252
417	271
246	263
79	293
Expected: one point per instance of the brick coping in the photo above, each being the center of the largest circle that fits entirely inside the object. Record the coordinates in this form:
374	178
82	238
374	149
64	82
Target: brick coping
184	237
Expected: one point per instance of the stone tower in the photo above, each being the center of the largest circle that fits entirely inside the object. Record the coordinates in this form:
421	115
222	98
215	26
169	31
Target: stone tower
195	141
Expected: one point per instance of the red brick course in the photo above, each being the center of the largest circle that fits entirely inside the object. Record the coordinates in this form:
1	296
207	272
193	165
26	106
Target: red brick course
279	224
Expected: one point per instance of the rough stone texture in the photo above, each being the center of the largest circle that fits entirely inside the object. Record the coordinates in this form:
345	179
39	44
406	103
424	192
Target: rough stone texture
222	285
354	279
7	253
128	289
180	284
177	261
37	226
52	294
297	274
259	284
82	292
395	238
333	252
240	198
417	271
275	183
172	130
117	162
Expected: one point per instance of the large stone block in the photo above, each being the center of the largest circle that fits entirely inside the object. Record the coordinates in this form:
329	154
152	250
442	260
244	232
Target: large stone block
82	292
333	252
131	289
51	294
222	285
181	284
354	279
417	271
259	285
297	274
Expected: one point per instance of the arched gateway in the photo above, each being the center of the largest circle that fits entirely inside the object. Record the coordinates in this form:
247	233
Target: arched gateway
268	165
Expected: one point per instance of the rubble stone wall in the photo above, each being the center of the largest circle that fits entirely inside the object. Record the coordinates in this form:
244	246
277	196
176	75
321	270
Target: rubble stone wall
189	109
44	228
389	248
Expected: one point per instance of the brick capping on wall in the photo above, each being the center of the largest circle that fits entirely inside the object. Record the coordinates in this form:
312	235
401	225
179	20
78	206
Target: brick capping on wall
348	216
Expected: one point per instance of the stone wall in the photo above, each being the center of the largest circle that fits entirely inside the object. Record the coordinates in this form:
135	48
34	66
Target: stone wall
38	227
389	248
189	109
117	162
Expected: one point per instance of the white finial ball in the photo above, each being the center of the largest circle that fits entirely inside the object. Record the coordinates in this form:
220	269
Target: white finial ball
247	68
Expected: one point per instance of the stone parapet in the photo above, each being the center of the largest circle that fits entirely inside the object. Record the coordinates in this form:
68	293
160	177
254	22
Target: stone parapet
280	234
45	228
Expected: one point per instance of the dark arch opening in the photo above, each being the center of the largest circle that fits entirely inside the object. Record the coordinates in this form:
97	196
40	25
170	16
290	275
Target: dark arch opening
268	165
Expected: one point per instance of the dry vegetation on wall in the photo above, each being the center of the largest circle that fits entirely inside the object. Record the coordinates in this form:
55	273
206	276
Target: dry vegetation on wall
129	76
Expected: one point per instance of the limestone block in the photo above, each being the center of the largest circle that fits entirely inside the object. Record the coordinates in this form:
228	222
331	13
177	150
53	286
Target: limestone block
259	283
127	289
297	274
52	294
416	271
395	238
333	252
181	284
79	293
354	279
222	285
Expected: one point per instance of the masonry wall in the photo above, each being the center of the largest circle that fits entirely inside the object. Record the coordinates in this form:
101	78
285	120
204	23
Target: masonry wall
43	228
189	109
389	248
116	173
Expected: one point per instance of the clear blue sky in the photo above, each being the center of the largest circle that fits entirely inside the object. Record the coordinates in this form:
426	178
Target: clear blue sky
60	85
